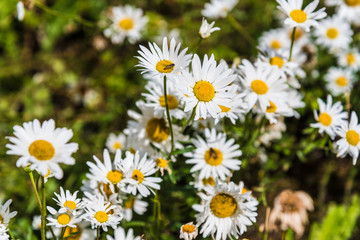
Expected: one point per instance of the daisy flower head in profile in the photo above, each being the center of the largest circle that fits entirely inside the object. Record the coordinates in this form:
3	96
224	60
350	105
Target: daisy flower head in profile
301	18
262	84
334	33
339	81
165	62
207	87
188	231
138	178
42	146
134	203
215	156
350	139
275	39
115	142
68	201
5	214
349	58
218	8
206	29
127	22
62	218
120	234
330	117
225	211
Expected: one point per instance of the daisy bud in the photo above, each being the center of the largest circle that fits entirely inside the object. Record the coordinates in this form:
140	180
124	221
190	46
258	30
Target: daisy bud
206	29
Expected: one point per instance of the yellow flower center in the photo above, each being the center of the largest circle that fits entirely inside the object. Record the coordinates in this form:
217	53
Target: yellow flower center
129	204
72	233
101	216
204	91
278	61
126	24
298	15
172	101
272	108
117	145
70	204
352	3
188	228
114	176
42	150
105	188
352	137
138	176
208	181
223	205
350	58
63	219
244	190
224	109
332	33
162	163
165	66
341	81
275	44
325	119
156	130
259	87
213	157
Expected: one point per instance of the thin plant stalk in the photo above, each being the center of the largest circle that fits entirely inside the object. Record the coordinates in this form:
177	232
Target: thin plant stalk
197	44
11	235
97	233
31	175
292	43
191	119
43	209
62	233
169	119
237	25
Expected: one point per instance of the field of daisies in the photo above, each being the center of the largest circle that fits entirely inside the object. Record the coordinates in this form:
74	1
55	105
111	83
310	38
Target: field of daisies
179	119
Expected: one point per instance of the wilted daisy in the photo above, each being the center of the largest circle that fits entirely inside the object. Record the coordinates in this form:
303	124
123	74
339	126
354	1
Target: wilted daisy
167	61
62	218
99	213
206	29
334	33
330	117
207	87
339	81
42	146
350	59
348	9
67	200
301	18
290	211
5	214
274	39
225	211
138	177
119	234
218	8
115	142
350	139
127	22
215	156
262	83
134	203
188	231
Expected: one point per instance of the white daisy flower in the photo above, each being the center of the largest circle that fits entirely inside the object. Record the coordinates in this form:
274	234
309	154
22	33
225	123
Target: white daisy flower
62	218
262	83
127	22
162	164
348	9
330	117
339	81
334	33
168	61
225	211
236	110
68	201
119	234
44	147
277	109
350	59
295	101
3	234
115	142
218	8
274	39
138	177
350	139
215	156
206	29
188	231
100	213
272	132
301	18
5	214
207	87
134	203
109	172
36	223
156	99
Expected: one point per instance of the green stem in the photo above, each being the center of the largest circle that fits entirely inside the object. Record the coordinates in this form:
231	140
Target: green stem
97	233
62	233
237	25
52	233
191	119
35	189
169	119
197	44
292	43
43	209
11	235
